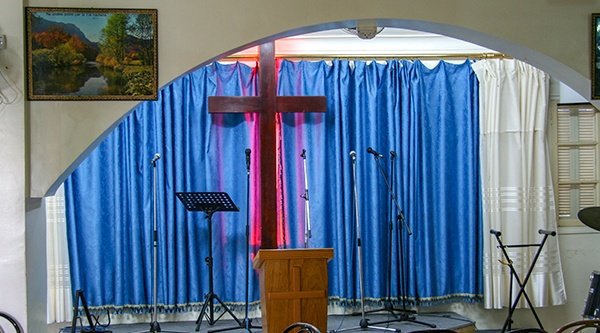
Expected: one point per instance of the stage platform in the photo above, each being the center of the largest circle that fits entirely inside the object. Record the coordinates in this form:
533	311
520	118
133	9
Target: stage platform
442	320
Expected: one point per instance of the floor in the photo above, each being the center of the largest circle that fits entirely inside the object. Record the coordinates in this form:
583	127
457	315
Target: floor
381	321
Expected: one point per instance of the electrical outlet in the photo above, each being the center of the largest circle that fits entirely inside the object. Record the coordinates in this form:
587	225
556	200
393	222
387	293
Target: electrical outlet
2	42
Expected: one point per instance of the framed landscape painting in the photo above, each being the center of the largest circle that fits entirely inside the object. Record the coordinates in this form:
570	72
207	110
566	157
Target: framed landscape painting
91	54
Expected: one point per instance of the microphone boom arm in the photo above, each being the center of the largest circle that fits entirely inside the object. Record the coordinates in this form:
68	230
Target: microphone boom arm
393	196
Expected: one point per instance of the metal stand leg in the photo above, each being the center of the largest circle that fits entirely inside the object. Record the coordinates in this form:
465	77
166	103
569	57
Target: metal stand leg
405	315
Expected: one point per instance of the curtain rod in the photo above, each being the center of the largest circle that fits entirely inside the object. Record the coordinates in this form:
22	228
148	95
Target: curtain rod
448	56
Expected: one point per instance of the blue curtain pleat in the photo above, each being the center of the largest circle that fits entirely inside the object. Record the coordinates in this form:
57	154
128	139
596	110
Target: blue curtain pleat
428	116
439	180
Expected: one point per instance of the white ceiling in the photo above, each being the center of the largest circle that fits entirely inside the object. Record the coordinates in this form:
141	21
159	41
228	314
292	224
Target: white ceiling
390	42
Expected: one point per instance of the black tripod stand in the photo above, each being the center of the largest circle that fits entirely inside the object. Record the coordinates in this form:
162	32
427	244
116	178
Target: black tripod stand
209	203
402	314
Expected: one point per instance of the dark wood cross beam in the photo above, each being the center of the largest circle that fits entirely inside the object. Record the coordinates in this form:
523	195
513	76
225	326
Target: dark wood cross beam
267	104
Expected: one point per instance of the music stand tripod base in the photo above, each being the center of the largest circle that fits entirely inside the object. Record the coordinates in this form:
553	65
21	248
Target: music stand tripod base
209	203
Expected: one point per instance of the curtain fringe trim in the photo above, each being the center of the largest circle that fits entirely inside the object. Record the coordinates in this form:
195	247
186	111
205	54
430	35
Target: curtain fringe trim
171	308
353	303
349	304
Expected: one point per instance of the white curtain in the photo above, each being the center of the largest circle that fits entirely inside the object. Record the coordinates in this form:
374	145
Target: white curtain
57	256
518	196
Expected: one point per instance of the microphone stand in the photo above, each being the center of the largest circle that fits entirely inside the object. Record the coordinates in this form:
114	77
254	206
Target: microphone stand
364	322
405	315
387	302
388	305
154	325
246	324
307	227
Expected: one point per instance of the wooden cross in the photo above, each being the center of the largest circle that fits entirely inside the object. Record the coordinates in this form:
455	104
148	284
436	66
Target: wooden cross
267	104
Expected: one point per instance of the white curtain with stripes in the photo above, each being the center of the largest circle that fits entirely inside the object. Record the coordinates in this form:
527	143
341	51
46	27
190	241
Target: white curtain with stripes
518	195
57	256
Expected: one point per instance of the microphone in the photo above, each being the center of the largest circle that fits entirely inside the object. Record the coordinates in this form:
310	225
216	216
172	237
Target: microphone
392	154
371	151
248	158
353	155
547	232
155	158
495	232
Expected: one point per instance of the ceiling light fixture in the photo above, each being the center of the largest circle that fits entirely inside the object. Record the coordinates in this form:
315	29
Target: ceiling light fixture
364	31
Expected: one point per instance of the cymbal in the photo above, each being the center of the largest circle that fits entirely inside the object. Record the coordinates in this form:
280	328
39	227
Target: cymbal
590	216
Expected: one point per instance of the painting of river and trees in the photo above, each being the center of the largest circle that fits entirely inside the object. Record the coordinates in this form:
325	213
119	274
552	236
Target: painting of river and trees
91	54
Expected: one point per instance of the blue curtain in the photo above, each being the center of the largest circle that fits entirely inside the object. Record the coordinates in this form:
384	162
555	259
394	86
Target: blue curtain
427	116
110	209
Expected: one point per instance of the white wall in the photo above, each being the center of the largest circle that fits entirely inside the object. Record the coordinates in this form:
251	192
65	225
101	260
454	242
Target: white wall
12	169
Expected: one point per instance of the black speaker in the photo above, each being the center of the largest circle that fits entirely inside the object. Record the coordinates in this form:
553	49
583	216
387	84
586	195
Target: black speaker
592	303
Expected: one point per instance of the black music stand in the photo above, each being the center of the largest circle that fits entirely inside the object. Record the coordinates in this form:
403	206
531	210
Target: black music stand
209	203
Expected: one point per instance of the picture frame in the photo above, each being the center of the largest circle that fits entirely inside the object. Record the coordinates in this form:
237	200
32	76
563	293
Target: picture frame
595	75
91	53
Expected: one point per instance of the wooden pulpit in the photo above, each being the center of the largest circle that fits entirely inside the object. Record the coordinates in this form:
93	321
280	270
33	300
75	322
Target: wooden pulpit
293	287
